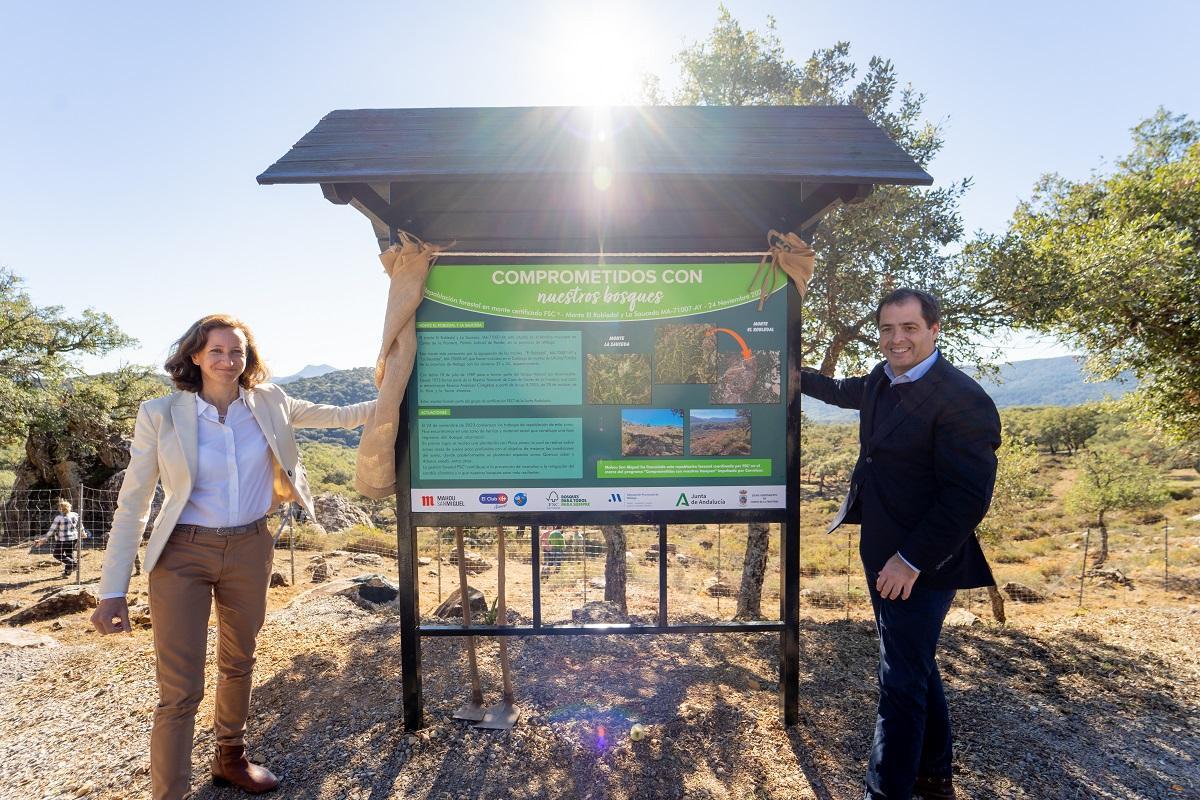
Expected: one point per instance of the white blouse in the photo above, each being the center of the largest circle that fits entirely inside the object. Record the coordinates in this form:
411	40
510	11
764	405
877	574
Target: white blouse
233	480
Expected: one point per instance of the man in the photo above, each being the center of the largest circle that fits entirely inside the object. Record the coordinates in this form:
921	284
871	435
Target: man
928	436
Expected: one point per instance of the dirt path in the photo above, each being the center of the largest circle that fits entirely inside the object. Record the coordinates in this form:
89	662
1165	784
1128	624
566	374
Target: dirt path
1098	705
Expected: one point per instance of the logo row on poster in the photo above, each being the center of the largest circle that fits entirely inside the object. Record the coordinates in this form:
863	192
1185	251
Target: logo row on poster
641	498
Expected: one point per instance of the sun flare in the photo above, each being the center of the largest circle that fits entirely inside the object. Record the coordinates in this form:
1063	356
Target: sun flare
595	61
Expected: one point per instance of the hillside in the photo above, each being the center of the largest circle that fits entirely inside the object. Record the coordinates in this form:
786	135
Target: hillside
309	371
1036	382
341	387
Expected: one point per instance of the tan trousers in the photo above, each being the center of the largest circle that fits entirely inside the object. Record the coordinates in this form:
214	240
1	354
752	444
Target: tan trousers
194	569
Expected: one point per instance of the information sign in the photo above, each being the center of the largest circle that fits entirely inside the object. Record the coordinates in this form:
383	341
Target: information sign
614	387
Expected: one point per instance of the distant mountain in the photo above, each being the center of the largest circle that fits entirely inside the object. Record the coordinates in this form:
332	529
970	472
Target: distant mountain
310	371
1035	382
340	388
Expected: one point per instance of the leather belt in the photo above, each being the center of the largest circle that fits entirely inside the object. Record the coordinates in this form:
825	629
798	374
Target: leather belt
237	530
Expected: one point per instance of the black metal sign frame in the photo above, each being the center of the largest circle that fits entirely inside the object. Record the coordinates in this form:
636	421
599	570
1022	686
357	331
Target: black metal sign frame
407	521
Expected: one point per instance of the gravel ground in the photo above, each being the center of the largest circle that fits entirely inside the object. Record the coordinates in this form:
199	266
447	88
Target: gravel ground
1102	704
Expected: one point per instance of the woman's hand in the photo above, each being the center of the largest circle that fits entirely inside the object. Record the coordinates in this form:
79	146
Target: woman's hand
112	616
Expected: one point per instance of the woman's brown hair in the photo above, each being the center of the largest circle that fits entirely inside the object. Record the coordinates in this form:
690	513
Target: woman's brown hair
186	375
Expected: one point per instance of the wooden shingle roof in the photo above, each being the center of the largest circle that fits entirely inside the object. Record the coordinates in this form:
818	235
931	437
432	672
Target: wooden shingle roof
524	177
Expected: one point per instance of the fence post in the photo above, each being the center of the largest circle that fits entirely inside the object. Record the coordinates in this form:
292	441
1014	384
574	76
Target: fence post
79	539
1083	569
291	512
1166	554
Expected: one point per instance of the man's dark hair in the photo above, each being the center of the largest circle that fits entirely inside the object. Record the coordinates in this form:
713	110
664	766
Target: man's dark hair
931	307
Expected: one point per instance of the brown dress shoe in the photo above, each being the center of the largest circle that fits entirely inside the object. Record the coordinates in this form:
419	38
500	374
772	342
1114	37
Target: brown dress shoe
933	789
230	766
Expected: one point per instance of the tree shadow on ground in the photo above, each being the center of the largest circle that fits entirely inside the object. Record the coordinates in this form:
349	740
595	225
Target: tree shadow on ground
1047	718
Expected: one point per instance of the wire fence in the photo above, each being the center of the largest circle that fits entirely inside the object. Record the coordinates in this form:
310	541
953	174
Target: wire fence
705	563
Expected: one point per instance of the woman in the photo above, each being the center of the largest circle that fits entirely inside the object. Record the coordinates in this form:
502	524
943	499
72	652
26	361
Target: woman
224	448
65	529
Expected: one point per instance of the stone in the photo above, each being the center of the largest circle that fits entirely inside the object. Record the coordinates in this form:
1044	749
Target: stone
370	591
452	607
139	614
1111	576
717	587
68	600
322	571
1021	593
961	618
596	583
278	579
598	612
7	607
336	513
15	637
365	559
475	562
424	561
706	544
683	560
815	597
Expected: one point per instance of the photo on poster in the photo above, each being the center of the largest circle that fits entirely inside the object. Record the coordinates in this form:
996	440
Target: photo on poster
719	431
685	354
652	432
618	379
741	380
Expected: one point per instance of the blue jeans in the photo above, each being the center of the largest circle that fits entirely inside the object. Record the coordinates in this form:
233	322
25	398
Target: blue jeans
912	728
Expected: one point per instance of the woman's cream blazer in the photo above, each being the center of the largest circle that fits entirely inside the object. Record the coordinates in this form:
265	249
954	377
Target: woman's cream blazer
164	449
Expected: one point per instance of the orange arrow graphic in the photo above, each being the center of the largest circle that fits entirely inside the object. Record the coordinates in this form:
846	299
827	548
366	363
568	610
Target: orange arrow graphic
746	354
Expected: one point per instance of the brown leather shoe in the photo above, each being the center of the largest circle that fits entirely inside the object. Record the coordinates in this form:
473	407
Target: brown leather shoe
230	766
933	789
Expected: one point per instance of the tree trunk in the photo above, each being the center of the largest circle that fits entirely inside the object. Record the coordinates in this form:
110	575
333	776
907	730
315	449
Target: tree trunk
997	604
614	566
1102	553
758	541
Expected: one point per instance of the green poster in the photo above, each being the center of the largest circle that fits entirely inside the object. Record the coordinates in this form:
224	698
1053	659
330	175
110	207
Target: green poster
598	387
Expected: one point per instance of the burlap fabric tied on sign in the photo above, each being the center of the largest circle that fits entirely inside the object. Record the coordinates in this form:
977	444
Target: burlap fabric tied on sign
407	265
787	253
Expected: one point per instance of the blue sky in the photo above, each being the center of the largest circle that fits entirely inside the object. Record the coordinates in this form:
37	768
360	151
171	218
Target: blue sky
651	416
713	413
132	132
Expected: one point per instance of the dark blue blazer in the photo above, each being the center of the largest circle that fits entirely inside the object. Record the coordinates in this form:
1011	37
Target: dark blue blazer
925	472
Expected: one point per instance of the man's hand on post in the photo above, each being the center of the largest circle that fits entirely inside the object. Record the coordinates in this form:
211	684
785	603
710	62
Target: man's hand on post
114	608
896	579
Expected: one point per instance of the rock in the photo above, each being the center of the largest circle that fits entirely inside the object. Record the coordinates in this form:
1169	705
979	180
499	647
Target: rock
365	559
278	579
113	485
652	551
452	607
475	562
717	587
7	607
370	591
815	597
336	513
139	614
706	544
596	583
68	600
15	637
596	612
1111	576
683	560
961	618
1022	593
424	561
322	571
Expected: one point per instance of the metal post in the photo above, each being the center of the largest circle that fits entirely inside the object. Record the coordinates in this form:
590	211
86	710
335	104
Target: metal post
585	555
1083	570
291	512
409	600
662	575
439	563
79	541
535	537
849	567
789	656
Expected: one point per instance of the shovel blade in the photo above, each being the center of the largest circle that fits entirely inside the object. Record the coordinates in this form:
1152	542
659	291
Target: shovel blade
471	711
500	717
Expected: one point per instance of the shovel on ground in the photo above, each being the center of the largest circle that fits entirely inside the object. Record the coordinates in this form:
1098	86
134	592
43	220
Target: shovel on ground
473	710
504	714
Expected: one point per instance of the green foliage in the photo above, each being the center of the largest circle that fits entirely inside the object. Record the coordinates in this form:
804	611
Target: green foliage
1055	429
339	388
897	236
1112	263
829	454
330	467
685	354
1018	487
37	348
1110	479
